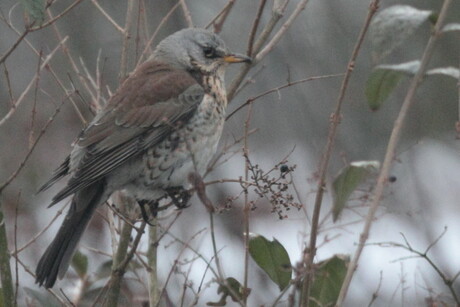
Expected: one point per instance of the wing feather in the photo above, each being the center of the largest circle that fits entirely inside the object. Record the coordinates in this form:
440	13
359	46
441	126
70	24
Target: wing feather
145	109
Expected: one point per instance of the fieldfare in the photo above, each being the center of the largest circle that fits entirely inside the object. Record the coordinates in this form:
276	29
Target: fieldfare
162	124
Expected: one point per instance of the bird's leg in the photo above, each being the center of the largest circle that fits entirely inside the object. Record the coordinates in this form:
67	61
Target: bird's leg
153	207
179	196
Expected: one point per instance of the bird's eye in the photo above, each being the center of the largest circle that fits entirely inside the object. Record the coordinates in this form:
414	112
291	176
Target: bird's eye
209	52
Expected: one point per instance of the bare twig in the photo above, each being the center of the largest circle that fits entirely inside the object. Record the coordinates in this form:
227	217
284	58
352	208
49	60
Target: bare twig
392	143
8	83
109	18
57	17
277	89
154	295
247	204
51	291
254	27
220	18
147	48
126	39
187	14
276	38
14	46
335	120
277	14
26	158
34	105
7	290
31	83
222	11
449	282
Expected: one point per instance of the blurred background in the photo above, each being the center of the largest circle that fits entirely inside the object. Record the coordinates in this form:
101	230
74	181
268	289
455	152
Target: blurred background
420	204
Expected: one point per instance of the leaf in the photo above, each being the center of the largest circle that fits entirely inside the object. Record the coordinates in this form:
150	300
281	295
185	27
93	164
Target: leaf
392	26
271	257
35	9
384	79
104	270
451	27
80	264
234	289
347	181
43	298
328	280
446	71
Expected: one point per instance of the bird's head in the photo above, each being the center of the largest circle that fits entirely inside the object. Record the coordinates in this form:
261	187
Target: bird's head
196	49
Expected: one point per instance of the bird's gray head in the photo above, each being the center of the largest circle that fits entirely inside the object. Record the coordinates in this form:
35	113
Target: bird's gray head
196	49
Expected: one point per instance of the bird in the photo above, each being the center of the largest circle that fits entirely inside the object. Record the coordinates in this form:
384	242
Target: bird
162	124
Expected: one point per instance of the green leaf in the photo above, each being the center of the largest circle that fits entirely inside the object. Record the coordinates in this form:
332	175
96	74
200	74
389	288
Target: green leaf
445	71
271	257
384	79
392	26
347	181
104	270
450	27
328	281
234	289
35	9
43	298
80	264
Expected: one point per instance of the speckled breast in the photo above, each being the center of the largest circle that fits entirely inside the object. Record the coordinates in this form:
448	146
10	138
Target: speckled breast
187	150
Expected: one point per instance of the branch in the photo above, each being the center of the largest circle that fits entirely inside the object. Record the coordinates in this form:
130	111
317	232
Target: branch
391	148
126	38
277	89
277	14
276	38
109	18
31	83
187	15
324	164
26	158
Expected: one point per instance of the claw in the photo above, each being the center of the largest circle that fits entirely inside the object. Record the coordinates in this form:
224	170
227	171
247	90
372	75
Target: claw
179	197
144	214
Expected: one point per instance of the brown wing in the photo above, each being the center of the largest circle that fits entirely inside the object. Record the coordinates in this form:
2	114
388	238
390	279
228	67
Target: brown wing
145	109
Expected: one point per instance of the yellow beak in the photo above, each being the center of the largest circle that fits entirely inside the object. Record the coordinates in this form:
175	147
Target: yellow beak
237	58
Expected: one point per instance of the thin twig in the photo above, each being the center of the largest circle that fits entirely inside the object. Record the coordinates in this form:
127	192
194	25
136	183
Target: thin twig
247	204
335	121
14	46
31	83
160	25
109	18
154	295
277	14
57	17
392	143
277	89
26	158
15	237
218	22
187	14
276	38
449	282
34	105
221	12
254	27
125	44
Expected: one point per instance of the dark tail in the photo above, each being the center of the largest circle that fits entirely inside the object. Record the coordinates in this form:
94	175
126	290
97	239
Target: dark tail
55	261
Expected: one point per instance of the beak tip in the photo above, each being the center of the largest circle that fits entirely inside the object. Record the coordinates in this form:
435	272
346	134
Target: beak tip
237	58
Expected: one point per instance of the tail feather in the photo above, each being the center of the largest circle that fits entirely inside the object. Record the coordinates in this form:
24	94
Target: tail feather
56	259
60	172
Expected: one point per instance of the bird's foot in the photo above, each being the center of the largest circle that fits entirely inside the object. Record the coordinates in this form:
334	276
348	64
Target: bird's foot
179	196
153	208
